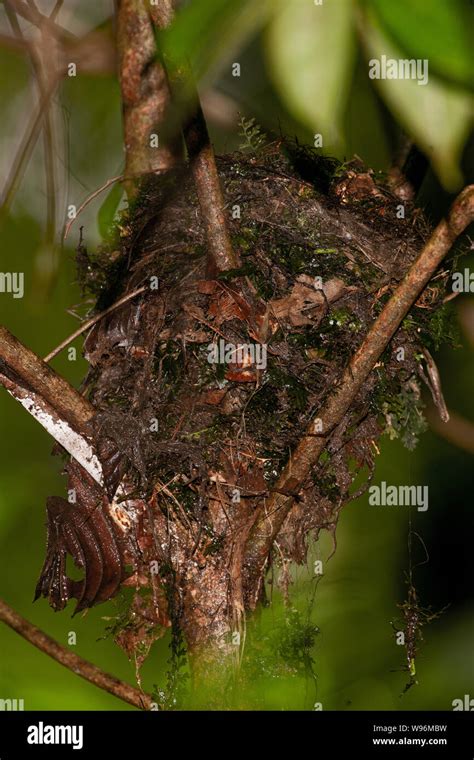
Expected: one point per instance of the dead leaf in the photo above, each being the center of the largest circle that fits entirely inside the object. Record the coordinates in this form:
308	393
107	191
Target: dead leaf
305	304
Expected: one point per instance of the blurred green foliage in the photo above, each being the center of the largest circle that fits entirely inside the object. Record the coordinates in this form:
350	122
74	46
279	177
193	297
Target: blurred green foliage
294	77
310	48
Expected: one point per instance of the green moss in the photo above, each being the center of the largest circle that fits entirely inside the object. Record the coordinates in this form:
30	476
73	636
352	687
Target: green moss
443	327
404	417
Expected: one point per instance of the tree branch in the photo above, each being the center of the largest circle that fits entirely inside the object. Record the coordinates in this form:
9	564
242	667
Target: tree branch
146	100
145	93
88	200
72	661
42	69
220	253
271	517
55	404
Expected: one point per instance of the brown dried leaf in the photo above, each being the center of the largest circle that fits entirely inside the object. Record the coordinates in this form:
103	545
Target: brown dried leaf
305	304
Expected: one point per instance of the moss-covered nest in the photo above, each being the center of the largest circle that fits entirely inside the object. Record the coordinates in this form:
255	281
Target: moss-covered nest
199	432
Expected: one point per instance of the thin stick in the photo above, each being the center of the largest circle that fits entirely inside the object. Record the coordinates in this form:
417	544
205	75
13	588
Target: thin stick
457	430
220	254
40	69
91	322
88	200
73	662
25	150
39	20
309	449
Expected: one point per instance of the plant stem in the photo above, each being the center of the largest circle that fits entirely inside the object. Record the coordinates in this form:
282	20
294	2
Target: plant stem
72	661
220	254
145	94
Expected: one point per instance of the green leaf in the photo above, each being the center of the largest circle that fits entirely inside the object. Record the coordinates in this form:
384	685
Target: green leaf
108	209
439	30
310	52
437	115
208	32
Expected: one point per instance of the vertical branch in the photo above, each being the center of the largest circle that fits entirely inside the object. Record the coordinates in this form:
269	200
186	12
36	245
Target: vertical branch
145	93
146	105
26	149
46	71
220	253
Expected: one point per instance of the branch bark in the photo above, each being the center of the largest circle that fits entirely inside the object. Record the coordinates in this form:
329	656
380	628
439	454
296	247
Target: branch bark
145	92
55	404
73	662
220	254
147	98
271	516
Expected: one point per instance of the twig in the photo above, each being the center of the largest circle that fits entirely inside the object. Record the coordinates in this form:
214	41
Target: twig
26	148
220	254
40	69
311	446
88	200
433	381
36	18
91	322
72	661
456	430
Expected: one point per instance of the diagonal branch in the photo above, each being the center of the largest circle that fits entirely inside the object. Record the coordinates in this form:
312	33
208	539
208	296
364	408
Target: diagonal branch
92	321
33	15
457	430
72	661
55	404
271	517
26	148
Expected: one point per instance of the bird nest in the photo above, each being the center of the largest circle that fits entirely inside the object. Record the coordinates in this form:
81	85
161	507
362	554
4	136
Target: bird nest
203	386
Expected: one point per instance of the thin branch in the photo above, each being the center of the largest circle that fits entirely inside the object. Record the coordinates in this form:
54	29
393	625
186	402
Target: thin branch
308	451
26	148
397	178
36	18
91	322
146	103
40	69
221	255
457	430
88	200
72	661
